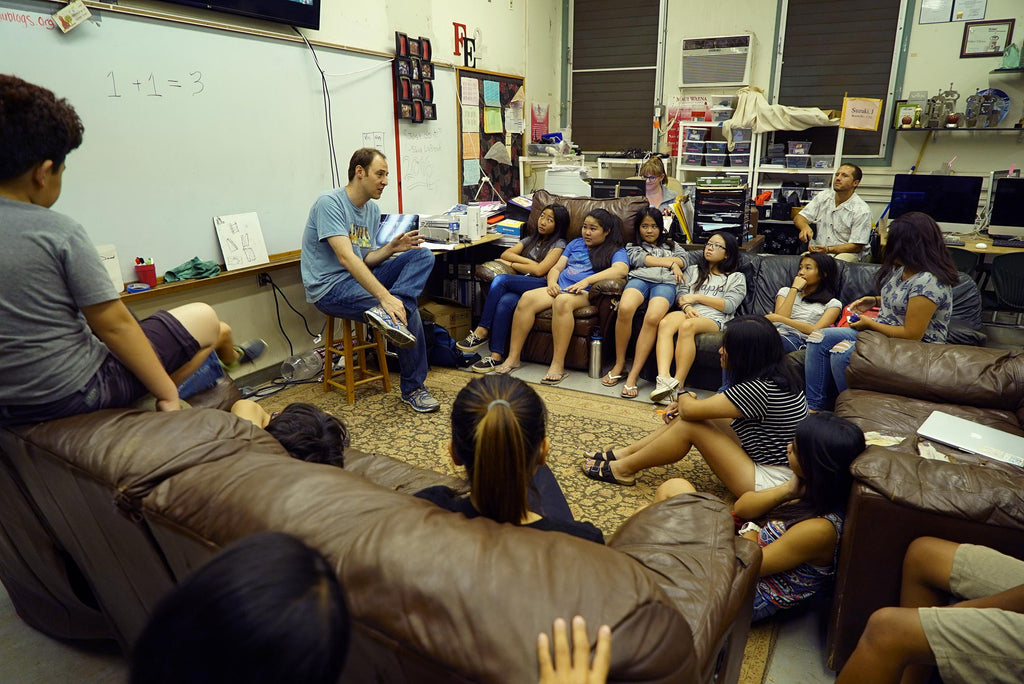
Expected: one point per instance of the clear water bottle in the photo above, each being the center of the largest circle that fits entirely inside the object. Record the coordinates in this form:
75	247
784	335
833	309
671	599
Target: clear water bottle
595	355
303	366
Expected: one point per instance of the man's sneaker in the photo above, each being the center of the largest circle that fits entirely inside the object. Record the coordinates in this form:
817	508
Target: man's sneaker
665	388
421	401
486	365
247	353
471	343
393	330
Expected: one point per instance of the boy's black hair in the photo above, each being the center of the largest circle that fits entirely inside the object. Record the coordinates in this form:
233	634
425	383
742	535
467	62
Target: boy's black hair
309	434
266	609
35	126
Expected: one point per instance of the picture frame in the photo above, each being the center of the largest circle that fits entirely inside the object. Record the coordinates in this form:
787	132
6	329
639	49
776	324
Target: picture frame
426	71
416	90
403	67
404	89
414	48
401	44
429	111
986	38
900	109
428	91
405	110
417	111
415	69
425	50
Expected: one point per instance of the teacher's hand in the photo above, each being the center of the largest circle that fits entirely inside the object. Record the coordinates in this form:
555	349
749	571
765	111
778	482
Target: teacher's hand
406	241
394	306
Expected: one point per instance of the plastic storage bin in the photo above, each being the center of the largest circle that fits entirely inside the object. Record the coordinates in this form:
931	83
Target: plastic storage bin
819	181
822	161
739	159
715	159
693	159
715	147
694	147
696	133
741	147
720	114
798	161
742	134
799	147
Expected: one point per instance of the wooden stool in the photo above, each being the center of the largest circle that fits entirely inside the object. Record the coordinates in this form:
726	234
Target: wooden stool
355	358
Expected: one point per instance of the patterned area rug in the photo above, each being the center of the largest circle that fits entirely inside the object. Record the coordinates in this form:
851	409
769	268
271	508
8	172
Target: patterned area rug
381	423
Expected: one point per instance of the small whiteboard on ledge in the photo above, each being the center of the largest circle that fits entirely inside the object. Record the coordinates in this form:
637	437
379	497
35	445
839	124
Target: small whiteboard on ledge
241	240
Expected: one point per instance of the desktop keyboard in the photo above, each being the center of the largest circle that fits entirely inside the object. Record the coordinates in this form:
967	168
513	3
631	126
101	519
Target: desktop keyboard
952	241
1001	242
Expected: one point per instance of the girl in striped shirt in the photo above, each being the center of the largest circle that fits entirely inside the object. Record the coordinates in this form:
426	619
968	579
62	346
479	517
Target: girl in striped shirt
742	432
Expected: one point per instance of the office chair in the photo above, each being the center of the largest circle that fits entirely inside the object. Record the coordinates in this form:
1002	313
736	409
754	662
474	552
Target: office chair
1008	284
966	262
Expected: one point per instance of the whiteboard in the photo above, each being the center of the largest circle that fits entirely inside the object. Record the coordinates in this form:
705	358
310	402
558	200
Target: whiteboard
184	123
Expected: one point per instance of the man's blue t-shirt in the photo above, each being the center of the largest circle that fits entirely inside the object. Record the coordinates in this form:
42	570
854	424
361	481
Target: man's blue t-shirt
579	266
334	214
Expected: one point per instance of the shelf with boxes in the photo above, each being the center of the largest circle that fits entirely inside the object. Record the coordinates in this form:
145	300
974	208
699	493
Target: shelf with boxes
721	204
704	150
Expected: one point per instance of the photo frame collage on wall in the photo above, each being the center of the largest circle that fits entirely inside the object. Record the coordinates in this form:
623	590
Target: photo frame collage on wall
414	78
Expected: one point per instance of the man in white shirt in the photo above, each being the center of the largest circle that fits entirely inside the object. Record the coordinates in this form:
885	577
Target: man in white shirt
843	218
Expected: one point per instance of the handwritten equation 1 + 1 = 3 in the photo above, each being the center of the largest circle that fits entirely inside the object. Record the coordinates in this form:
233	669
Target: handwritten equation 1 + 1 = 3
153	87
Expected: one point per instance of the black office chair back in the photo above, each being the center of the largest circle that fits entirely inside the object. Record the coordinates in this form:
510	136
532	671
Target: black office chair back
966	262
1008	280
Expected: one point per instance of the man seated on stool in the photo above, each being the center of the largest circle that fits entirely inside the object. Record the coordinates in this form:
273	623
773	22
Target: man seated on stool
345	276
843	218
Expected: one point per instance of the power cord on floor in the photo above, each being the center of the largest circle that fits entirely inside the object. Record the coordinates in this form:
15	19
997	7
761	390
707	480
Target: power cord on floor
280	325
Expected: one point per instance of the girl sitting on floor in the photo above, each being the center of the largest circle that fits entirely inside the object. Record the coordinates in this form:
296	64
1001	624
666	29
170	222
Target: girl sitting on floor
656	270
594	256
531	258
800	540
498	434
708	296
808	304
742	432
916	281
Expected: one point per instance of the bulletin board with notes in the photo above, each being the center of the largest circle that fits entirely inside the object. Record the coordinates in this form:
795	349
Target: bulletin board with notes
492	121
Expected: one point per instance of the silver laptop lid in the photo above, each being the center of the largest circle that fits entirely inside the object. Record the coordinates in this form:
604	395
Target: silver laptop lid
973	438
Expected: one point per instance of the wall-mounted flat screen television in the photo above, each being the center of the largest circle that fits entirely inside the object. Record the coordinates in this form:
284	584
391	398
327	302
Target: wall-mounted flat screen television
304	13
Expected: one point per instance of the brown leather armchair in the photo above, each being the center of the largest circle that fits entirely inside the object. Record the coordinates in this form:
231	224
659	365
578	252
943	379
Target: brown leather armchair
600	315
899	496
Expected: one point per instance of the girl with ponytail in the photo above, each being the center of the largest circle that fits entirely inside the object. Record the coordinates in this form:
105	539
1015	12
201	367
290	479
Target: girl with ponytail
499	435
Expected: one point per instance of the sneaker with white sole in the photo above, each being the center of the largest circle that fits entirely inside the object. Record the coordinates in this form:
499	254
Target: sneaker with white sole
421	401
665	388
471	343
486	365
247	353
394	331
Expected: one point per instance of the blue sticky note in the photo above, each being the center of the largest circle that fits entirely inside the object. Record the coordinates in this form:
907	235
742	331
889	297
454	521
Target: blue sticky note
470	171
492	98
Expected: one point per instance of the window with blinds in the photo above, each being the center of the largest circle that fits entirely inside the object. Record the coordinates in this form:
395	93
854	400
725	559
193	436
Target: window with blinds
614	63
831	49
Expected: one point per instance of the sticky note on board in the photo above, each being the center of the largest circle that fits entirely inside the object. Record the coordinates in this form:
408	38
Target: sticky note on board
492	120
471	146
470	91
492	95
470	171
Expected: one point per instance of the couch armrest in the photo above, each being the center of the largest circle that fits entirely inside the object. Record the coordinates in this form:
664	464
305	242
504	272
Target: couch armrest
610	287
941	373
489	270
986	492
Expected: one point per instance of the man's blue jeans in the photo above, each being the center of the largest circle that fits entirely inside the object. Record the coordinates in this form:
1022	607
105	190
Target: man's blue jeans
825	370
404	275
502	298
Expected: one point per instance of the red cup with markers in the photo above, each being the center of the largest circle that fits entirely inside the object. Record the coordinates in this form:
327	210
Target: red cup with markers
146	273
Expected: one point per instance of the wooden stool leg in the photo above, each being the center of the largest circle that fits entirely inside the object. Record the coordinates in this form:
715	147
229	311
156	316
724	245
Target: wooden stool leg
328	354
350	384
382	359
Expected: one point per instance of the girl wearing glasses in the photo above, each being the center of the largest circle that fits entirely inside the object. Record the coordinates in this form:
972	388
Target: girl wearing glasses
658	193
711	291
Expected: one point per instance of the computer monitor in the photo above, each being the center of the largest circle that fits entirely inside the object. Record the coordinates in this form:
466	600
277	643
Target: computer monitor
1007	209
393	225
617	187
951	200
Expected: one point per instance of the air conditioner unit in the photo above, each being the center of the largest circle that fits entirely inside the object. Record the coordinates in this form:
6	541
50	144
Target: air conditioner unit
719	61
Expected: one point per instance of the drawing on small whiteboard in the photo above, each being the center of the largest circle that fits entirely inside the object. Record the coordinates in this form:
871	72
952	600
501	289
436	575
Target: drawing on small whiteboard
241	240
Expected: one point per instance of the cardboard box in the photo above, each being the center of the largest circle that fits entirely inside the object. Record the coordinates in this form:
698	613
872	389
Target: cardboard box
454	318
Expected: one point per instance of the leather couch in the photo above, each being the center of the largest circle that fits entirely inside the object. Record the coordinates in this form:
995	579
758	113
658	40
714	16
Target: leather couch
599	317
899	496
102	513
